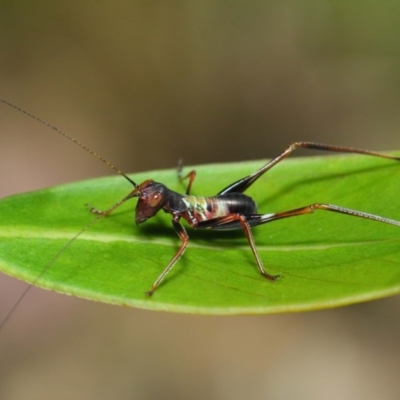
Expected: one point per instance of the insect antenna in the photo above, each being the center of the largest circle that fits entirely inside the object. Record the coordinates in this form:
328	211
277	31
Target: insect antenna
117	170
5	320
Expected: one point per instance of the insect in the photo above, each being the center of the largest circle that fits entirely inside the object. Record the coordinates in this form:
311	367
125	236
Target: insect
229	209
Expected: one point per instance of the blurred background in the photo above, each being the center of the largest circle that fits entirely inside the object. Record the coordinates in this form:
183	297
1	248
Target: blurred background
144	83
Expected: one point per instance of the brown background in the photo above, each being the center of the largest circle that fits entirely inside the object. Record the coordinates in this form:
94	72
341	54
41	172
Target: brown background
143	84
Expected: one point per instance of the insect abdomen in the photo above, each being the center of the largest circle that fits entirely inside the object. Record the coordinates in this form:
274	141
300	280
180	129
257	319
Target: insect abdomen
238	203
206	208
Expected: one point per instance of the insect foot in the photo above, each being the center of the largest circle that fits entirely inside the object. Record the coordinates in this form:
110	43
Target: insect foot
95	210
271	278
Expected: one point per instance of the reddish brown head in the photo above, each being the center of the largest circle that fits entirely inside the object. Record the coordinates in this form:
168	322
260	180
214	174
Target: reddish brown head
152	197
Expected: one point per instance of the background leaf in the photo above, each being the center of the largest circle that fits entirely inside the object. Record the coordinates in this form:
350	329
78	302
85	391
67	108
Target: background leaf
325	259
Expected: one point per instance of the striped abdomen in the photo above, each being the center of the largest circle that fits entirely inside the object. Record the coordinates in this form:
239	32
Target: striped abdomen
205	208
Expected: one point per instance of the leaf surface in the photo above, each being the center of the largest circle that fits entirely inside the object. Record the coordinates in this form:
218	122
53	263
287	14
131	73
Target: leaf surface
325	259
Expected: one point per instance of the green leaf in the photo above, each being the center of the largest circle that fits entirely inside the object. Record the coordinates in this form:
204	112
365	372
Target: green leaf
325	259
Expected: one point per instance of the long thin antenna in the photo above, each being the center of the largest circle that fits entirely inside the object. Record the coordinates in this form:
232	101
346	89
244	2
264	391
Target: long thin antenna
118	171
45	268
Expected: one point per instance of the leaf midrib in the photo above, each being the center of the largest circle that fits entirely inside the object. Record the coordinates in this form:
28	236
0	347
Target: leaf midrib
28	232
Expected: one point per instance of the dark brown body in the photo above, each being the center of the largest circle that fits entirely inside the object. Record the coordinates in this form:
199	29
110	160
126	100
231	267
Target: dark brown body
230	208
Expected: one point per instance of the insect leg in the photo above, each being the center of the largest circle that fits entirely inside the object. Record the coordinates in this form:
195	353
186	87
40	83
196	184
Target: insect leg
191	175
229	220
180	230
242	184
107	212
262	219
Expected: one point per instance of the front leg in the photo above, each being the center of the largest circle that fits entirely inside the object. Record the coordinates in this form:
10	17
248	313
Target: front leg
107	212
180	230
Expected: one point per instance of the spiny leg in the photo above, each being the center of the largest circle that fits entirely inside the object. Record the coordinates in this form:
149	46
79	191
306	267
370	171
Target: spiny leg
180	230
263	219
218	222
247	221
254	220
242	184
191	175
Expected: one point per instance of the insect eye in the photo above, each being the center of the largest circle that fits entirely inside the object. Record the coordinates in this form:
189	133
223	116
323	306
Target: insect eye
154	199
